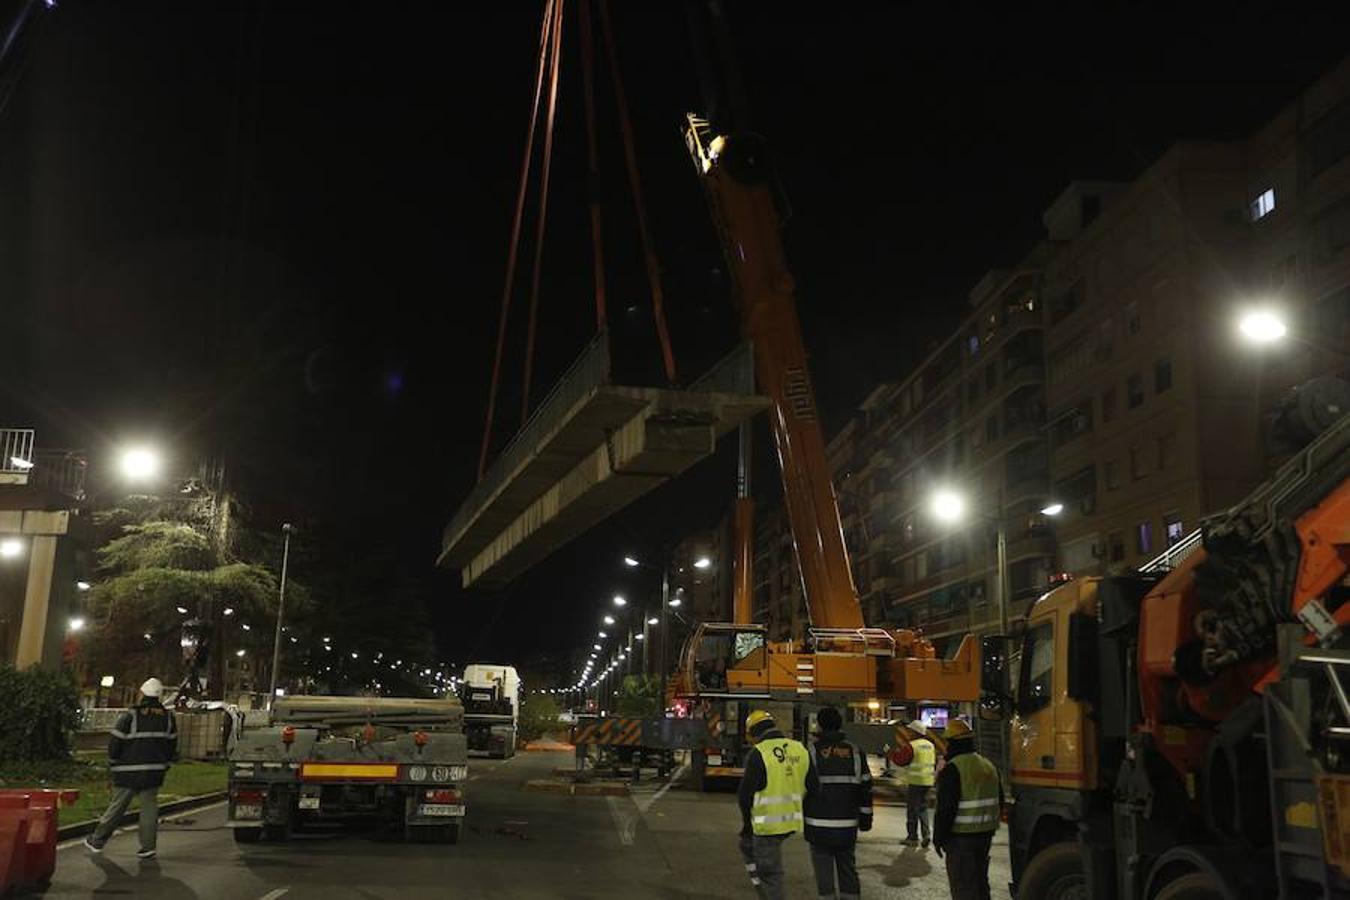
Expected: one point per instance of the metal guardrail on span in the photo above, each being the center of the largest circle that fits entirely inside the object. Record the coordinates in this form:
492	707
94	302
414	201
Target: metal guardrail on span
589	371
16	451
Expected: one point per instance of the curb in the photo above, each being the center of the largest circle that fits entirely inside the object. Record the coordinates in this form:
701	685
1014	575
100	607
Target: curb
576	790
80	829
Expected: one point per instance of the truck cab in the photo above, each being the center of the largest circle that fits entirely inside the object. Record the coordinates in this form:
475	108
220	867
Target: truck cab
491	697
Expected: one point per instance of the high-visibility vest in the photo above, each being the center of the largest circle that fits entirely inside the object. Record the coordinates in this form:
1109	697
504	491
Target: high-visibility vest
777	809
977	811
922	769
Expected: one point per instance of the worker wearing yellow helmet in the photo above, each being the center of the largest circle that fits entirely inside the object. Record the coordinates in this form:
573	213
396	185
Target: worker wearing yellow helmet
969	803
777	776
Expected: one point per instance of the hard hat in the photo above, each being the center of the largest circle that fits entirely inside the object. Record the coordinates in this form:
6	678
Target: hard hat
153	687
957	728
756	718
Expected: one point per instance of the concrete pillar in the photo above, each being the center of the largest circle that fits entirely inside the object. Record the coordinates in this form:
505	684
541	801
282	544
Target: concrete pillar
36	601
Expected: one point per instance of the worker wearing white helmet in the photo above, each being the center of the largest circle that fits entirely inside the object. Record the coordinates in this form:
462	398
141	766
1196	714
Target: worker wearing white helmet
142	744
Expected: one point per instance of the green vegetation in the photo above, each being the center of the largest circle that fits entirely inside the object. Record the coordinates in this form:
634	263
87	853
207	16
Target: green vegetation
185	779
639	695
538	716
37	717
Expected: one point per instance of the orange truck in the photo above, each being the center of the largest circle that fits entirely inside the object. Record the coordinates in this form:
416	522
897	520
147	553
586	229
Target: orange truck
1183	733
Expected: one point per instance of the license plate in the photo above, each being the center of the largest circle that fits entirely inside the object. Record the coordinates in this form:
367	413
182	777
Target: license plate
715	759
309	802
248	812
440	809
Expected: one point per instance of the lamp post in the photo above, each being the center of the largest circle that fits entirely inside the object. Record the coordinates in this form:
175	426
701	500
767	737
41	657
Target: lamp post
281	613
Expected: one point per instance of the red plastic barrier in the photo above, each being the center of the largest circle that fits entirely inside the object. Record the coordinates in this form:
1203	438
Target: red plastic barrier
28	822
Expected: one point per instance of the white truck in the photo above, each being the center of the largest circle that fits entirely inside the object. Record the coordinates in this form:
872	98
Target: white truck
491	697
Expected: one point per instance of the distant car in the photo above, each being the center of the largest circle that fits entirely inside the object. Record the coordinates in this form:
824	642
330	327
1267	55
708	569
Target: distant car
567	717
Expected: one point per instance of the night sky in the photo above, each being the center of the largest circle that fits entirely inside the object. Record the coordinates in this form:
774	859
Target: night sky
277	231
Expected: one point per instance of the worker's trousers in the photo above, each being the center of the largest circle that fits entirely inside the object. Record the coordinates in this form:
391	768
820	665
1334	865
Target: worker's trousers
121	799
826	861
763	855
968	865
916	813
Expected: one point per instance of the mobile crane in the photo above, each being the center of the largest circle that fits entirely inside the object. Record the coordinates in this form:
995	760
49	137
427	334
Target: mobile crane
723	667
1184	736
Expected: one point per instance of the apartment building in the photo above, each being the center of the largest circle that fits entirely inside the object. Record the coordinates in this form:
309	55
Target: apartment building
1158	406
1105	372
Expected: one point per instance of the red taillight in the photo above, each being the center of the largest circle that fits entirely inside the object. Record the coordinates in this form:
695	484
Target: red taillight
443	795
420	738
249	795
288	735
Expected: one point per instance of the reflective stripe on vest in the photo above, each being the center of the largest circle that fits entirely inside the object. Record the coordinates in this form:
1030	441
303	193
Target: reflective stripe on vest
977	811
831	823
777	809
139	767
923	770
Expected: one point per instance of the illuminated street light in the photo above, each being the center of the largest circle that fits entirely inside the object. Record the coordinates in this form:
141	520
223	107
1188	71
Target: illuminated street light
948	506
140	464
596	646
702	562
82	585
19	462
248	627
11	548
639	637
1052	509
229	610
619	600
653	621
609	620
675	602
1262	326
603	635
75	624
630	562
182	610
239	653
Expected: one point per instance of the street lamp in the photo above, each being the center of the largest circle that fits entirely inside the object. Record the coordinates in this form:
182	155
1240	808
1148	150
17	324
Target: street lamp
281	613
619	600
949	507
609	620
1052	509
630	562
140	463
76	624
11	548
702	562
1262	326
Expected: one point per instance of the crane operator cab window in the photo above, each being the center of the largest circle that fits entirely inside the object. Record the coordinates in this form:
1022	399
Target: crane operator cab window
732	650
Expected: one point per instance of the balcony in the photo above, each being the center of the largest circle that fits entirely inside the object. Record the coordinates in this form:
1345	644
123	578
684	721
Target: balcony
53	472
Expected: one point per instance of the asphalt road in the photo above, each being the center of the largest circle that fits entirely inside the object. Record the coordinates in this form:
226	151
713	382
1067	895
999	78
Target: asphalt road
656	844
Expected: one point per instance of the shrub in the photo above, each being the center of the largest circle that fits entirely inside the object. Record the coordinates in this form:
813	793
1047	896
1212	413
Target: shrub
39	713
538	716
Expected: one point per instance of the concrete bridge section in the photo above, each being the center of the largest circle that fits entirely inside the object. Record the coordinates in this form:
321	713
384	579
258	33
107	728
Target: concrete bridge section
590	450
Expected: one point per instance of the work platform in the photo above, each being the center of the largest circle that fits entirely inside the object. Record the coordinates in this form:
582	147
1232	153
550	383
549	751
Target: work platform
590	449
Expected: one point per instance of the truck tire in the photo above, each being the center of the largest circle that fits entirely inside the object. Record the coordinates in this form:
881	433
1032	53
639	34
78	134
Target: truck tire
1056	873
246	835
1195	886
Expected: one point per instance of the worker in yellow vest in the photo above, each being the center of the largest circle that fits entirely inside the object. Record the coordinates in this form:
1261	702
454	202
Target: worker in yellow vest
921	774
969	806
777	776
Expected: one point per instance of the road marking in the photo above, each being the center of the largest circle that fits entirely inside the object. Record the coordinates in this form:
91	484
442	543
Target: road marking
645	805
273	895
626	825
76	842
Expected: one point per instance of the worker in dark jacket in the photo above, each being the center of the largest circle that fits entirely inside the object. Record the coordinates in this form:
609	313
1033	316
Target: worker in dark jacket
777	778
142	744
838	806
969	805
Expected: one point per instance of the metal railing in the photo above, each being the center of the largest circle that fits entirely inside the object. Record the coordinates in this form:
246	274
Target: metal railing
60	471
1170	558
16	451
588	372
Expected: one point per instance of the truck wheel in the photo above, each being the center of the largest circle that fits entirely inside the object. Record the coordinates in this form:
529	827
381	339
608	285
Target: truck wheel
246	835
1056	873
1195	886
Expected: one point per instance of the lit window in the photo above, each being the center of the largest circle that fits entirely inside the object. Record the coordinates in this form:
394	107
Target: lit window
1175	532
1263	205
